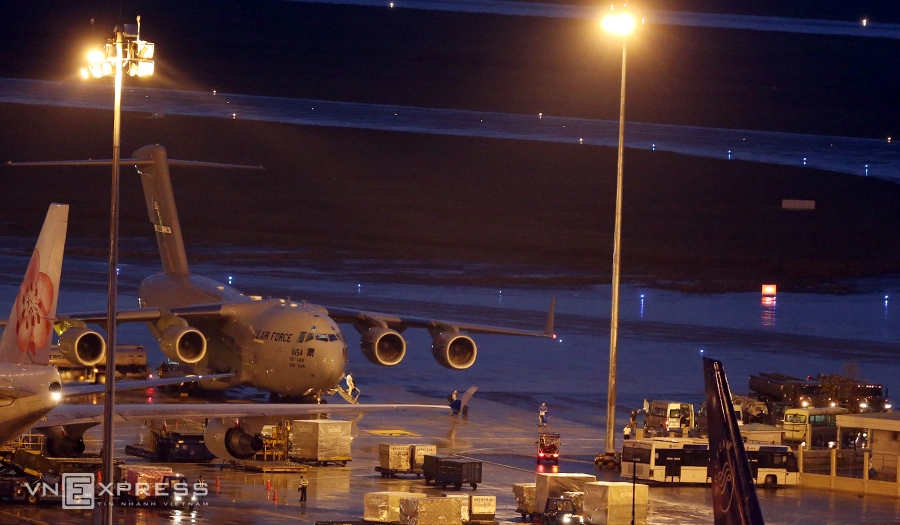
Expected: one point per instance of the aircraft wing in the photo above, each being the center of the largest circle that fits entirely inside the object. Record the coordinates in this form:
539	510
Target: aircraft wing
137	384
396	322
219	311
79	414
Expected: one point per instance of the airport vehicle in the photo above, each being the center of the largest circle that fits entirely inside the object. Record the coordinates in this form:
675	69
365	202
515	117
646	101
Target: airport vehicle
823	391
812	427
31	389
686	460
173	447
18	485
560	511
669	415
548	448
288	348
445	471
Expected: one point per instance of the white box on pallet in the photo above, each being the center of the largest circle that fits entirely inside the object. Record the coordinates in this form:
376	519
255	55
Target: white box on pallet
483	508
417	454
320	439
464	504
394	457
430	511
610	503
554	484
384	507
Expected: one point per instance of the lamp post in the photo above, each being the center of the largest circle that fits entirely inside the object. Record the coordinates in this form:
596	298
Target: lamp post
621	24
124	50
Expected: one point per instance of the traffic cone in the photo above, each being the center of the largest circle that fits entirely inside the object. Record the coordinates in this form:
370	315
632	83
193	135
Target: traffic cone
217	480
275	496
268	484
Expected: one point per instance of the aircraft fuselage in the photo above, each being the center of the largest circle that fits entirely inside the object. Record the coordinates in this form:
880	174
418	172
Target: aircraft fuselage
25	397
281	346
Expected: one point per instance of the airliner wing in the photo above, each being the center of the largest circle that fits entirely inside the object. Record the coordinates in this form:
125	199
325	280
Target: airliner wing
397	322
137	384
79	414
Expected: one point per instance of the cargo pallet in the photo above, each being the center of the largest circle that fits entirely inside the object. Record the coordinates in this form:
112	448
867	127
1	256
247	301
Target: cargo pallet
269	466
392	473
342	461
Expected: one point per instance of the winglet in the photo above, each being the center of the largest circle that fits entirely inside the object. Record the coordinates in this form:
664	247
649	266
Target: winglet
548	328
28	334
734	493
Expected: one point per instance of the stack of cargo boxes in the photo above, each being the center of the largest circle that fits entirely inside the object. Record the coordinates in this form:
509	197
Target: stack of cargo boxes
525	496
320	440
417	455
554	485
384	507
430	511
577	501
475	509
394	457
610	502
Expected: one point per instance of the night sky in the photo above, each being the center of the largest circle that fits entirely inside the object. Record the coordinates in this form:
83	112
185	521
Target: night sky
372	190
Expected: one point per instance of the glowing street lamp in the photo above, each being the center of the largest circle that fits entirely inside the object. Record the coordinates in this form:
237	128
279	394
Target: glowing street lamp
619	24
125	52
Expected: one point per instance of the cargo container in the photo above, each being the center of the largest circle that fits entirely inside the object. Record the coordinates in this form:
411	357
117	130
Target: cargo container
452	471
554	484
384	507
320	441
392	459
525	494
430	511
610	502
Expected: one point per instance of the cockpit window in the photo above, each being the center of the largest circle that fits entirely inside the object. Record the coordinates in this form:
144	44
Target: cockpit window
332	337
302	337
309	337
321	337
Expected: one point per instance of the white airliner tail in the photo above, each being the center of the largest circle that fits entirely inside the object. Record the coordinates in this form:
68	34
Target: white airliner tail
28	334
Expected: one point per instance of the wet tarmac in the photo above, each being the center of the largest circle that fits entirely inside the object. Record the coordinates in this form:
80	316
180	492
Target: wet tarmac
500	436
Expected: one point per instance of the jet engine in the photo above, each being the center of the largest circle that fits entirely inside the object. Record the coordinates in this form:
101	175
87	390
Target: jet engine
231	442
82	346
60	444
383	346
454	350
183	344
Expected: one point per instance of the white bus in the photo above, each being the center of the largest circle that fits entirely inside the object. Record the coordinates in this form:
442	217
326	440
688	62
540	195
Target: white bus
686	460
812	427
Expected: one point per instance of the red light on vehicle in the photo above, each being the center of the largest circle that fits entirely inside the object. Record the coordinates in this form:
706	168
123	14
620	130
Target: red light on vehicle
541	454
556	455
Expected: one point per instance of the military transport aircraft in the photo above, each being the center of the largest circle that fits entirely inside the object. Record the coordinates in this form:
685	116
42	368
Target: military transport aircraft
288	348
30	390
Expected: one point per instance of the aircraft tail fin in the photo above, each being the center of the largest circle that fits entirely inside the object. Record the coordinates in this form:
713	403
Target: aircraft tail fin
734	492
551	313
161	208
153	166
28	333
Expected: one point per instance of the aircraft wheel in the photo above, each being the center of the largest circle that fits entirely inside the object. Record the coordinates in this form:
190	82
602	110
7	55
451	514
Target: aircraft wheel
771	480
474	486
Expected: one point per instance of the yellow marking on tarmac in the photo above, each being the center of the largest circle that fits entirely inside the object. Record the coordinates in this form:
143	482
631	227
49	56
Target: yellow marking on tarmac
386	433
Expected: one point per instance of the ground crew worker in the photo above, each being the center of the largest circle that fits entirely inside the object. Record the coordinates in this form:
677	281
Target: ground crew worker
302	488
542	415
627	432
351	386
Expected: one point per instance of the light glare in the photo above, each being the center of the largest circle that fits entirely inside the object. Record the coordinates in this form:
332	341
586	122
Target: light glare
618	24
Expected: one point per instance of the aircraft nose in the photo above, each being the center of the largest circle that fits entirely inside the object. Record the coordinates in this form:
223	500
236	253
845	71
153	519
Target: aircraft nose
330	368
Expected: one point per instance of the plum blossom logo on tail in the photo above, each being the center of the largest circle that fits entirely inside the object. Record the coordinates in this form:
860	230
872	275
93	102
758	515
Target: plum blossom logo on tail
33	305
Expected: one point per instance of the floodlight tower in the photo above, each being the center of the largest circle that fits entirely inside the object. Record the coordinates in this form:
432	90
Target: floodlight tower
125	52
